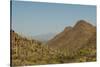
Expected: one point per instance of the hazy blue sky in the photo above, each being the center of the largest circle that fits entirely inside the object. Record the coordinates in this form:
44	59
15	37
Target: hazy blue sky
34	18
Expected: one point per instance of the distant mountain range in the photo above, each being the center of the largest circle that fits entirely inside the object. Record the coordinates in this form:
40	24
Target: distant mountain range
44	37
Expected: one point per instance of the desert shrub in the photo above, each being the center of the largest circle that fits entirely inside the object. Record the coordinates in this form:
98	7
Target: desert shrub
32	52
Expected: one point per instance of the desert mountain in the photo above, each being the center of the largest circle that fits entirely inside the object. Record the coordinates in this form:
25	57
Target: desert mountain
74	38
73	44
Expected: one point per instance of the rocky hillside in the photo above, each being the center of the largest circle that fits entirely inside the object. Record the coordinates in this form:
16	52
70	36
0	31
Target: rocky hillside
26	51
74	38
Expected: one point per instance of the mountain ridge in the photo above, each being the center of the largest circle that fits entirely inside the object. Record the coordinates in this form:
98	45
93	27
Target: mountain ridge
44	37
76	36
